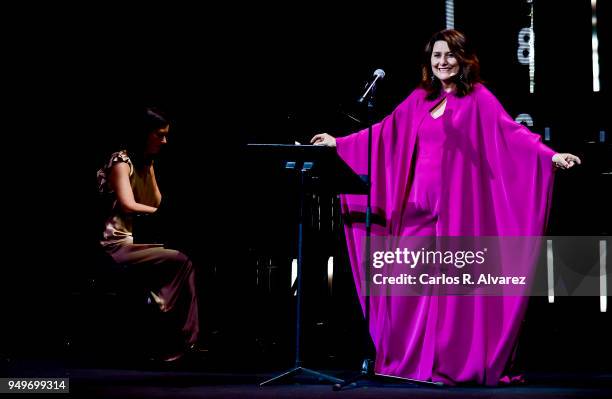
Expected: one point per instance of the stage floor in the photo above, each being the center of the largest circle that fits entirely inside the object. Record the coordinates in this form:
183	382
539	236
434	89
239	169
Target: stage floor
200	381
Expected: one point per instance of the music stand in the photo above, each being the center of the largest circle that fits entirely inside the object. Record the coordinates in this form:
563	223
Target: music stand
320	169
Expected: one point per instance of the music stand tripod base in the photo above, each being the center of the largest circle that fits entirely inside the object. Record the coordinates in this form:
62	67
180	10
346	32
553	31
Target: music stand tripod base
302	370
382	378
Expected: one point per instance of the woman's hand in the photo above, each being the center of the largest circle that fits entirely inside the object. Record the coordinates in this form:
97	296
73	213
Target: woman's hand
323	139
565	161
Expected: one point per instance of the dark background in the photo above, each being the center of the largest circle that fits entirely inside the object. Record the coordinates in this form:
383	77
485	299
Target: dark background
238	74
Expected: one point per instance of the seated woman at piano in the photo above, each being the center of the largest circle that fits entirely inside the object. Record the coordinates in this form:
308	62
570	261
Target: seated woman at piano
129	179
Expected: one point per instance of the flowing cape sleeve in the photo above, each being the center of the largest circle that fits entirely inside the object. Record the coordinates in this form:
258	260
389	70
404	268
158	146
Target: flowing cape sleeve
393	141
497	175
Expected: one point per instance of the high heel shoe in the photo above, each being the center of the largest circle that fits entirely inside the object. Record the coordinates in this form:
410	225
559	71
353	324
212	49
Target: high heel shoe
168	359
173	357
160	303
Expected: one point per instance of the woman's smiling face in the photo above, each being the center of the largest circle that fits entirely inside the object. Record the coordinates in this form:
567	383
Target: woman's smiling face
444	65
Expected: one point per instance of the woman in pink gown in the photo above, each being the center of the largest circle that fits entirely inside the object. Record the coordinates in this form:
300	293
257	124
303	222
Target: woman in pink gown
448	161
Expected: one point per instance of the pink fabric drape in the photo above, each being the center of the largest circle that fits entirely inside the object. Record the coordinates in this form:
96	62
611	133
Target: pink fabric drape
496	180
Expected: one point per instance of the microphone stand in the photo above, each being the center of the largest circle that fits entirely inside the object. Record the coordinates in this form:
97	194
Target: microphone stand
367	365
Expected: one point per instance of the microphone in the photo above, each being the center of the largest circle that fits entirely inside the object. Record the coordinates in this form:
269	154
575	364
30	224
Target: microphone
378	74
